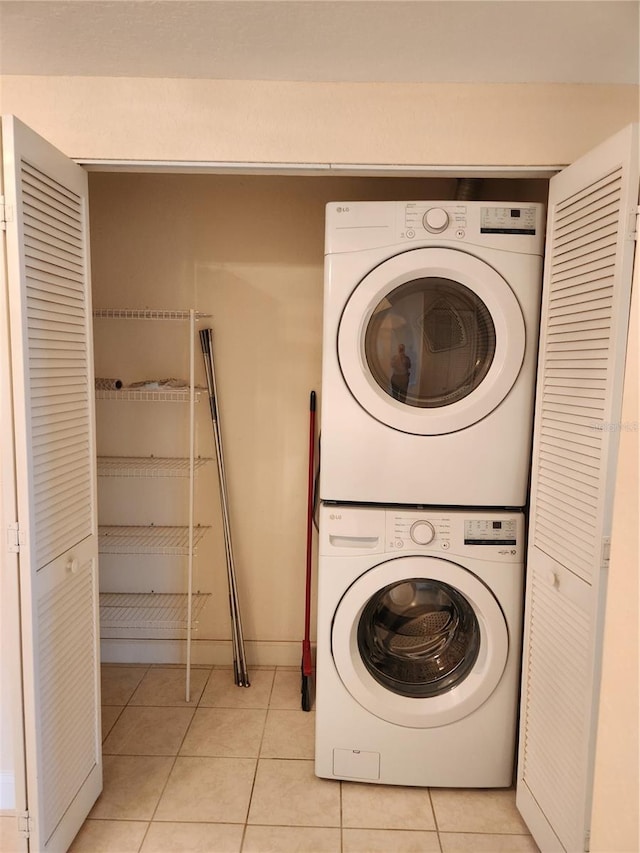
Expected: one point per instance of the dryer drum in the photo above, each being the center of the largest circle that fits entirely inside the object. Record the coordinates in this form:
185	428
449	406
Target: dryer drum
442	327
442	330
418	638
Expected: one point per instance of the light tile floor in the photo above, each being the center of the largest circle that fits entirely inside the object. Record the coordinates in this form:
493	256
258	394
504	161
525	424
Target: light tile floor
233	771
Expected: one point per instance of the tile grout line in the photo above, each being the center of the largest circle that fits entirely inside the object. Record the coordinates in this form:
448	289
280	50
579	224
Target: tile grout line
255	772
341	817
175	758
435	819
113	724
164	787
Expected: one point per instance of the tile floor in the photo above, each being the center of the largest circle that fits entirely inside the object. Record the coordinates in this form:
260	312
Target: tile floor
233	771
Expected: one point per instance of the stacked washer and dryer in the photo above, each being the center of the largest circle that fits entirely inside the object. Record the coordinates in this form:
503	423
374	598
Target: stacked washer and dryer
430	336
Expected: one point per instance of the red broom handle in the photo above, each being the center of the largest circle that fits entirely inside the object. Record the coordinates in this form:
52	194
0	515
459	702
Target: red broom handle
312	441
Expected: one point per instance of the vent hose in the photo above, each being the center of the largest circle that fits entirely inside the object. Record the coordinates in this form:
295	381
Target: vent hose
468	189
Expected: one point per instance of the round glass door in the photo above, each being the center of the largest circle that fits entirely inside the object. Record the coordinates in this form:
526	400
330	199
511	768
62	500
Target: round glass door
418	637
431	341
419	641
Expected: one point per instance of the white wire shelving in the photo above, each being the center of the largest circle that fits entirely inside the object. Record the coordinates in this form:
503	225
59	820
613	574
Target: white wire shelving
148	466
161	540
145	395
142	613
150	611
145	314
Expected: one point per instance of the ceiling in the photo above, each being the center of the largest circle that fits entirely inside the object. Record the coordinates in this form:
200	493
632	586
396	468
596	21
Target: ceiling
437	41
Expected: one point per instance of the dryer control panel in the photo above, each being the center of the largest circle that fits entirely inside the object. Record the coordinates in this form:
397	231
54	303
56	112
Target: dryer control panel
472	221
511	226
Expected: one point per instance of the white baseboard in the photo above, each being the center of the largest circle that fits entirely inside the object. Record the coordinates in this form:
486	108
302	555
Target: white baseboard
203	652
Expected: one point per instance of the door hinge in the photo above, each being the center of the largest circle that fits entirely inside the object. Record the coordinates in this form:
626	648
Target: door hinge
606	552
6	213
25	824
14	539
635	224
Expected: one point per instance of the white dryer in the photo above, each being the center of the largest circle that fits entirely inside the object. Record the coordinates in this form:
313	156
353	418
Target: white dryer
419	632
430	338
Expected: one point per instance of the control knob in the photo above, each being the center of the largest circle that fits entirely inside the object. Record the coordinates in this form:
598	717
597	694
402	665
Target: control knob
435	220
422	532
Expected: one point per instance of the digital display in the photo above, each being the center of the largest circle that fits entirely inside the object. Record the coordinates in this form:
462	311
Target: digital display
490	532
508	220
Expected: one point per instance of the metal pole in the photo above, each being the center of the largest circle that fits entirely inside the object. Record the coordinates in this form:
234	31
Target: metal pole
239	657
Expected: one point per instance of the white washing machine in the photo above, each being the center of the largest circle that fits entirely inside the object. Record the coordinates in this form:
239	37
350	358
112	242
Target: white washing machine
419	633
430	339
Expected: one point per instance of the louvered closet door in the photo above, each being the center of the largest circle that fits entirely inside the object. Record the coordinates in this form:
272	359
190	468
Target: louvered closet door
52	372
586	295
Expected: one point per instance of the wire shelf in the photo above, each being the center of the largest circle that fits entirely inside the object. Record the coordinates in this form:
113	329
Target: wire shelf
144	314
148	539
171	395
147	466
141	611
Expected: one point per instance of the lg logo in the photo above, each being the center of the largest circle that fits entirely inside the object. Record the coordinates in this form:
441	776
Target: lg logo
335	517
343	209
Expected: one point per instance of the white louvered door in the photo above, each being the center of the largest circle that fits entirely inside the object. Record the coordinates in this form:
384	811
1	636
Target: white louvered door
52	371
586	295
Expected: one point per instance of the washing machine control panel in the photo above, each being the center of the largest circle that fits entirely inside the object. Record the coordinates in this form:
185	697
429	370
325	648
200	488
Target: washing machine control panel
406	530
355	531
488	535
490	532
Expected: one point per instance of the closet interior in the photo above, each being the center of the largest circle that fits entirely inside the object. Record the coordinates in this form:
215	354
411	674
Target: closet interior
243	255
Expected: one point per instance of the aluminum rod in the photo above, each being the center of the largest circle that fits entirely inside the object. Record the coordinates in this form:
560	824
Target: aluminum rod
206	341
239	657
233	601
206	350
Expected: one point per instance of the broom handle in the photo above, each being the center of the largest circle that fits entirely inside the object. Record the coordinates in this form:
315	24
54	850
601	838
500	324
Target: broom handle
312	440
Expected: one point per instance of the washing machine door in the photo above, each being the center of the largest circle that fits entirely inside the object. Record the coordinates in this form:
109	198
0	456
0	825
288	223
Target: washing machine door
431	341
419	641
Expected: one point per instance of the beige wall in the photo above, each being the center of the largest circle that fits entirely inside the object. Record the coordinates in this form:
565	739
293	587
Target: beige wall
260	121
615	824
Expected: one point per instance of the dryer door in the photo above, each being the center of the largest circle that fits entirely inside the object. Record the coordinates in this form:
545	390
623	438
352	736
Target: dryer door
419	641
431	341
